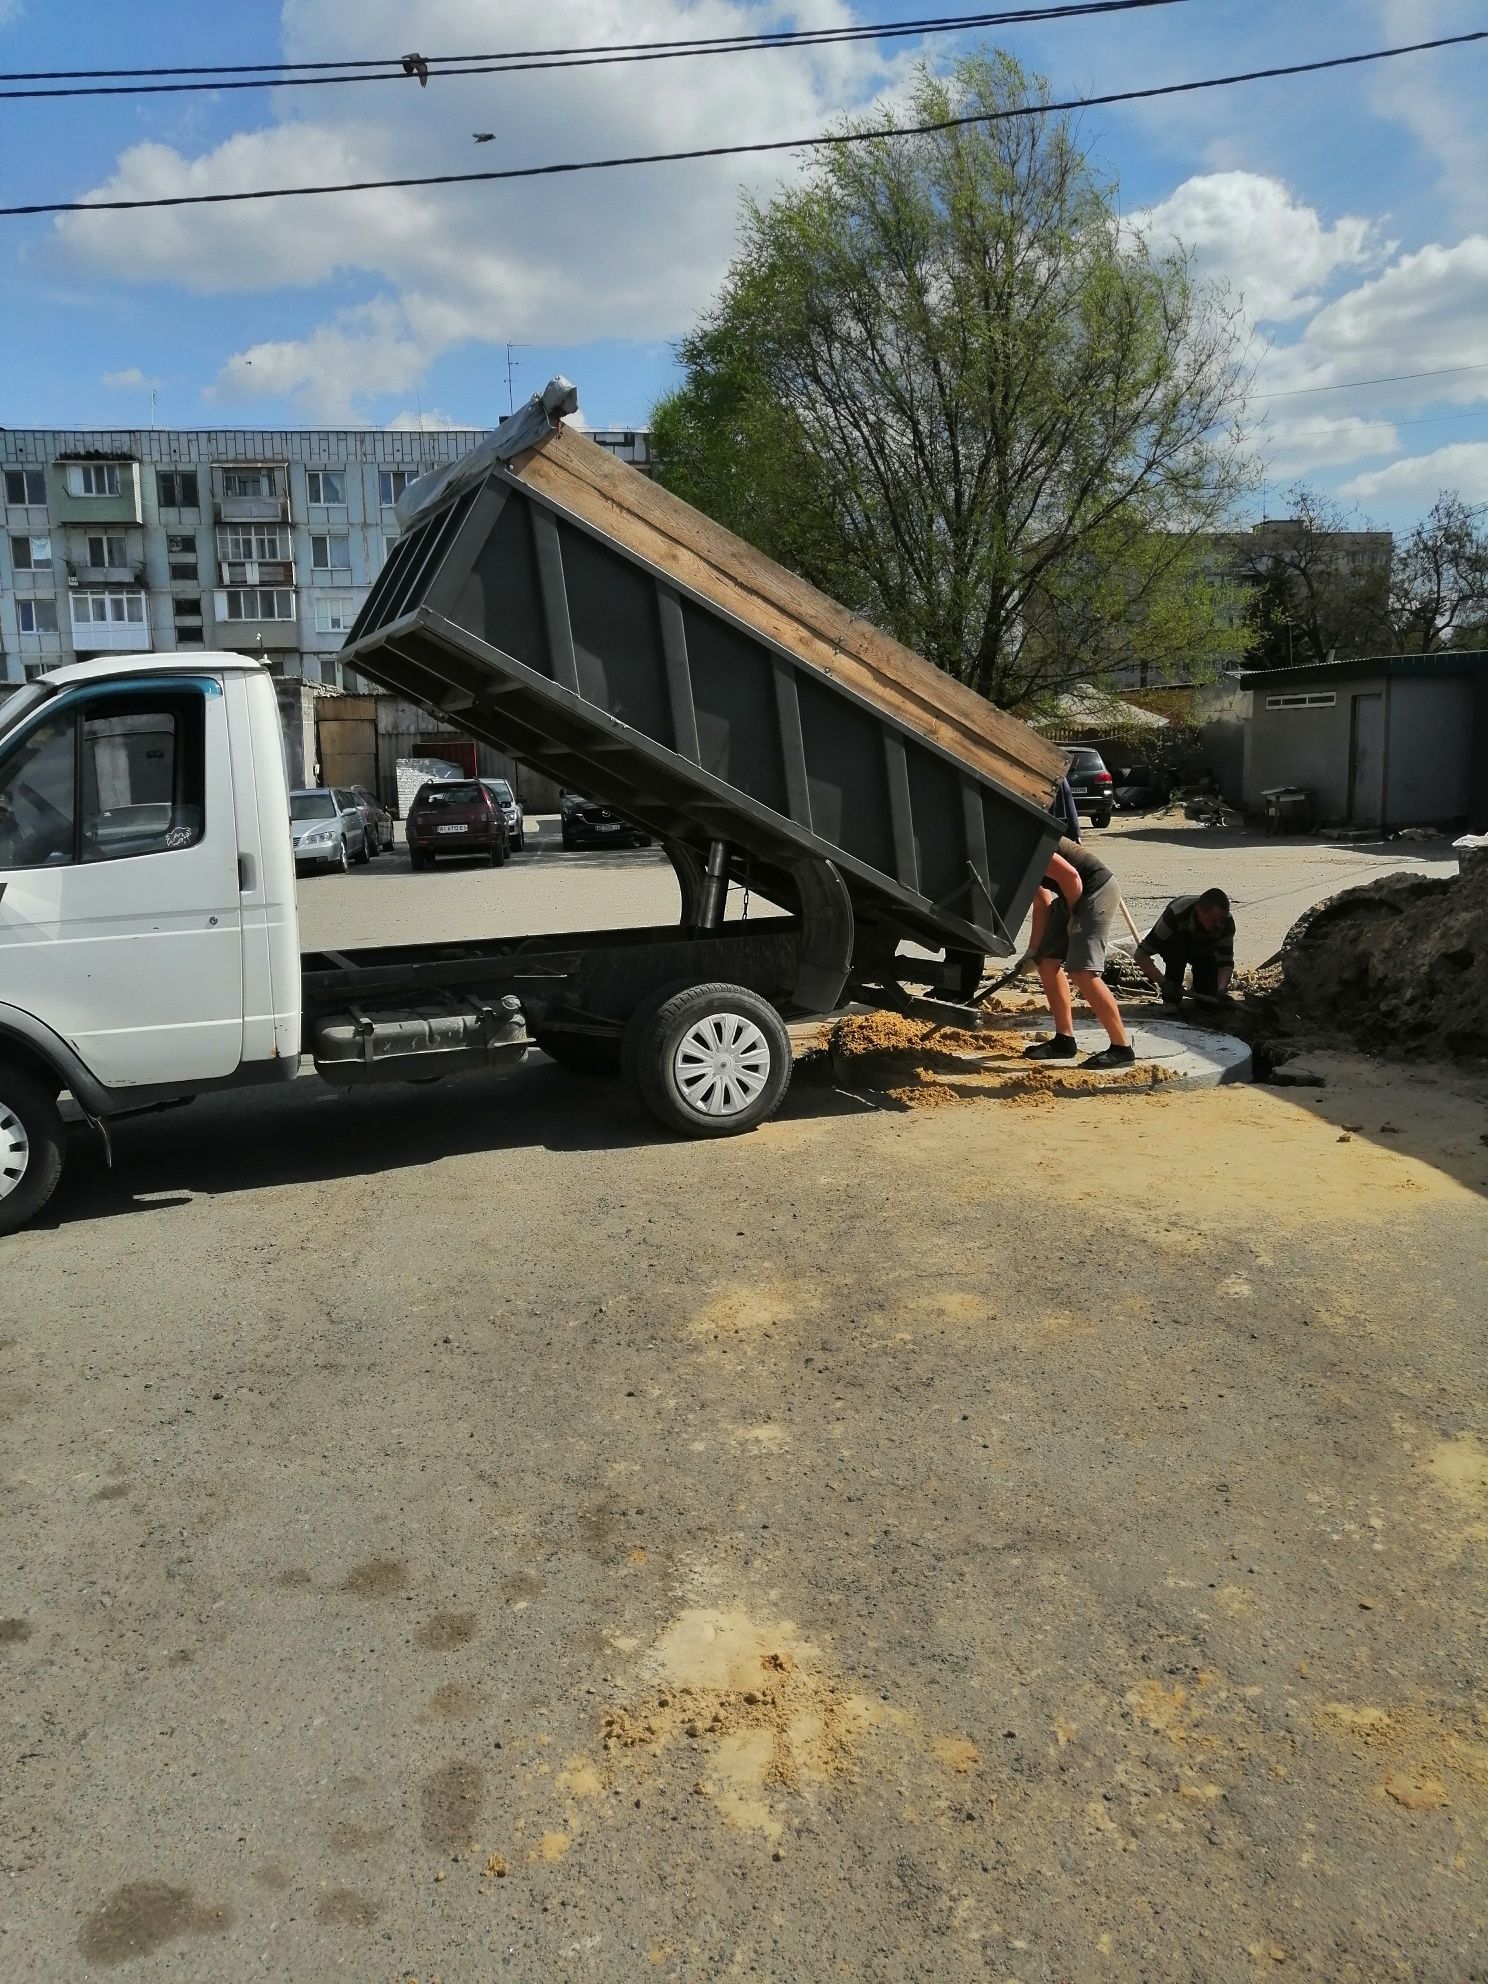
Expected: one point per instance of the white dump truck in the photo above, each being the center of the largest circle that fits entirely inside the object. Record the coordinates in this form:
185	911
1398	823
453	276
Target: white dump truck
552	601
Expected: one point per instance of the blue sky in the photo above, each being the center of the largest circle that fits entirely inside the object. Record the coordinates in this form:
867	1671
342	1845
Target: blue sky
1346	210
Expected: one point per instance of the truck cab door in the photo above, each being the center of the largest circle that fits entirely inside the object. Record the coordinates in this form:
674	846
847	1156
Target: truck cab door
120	924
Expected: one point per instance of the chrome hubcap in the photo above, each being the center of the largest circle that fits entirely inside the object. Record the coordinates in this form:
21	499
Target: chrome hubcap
15	1150
721	1064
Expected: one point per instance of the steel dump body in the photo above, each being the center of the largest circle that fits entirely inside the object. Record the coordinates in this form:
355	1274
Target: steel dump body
539	630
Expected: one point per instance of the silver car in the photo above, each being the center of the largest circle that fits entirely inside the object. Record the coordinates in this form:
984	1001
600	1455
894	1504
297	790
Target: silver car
327	828
510	806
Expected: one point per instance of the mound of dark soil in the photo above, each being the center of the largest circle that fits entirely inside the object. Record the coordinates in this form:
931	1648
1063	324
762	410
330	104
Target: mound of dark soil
1399	967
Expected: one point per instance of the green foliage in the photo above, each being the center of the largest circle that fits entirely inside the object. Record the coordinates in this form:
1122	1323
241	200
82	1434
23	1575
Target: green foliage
946	384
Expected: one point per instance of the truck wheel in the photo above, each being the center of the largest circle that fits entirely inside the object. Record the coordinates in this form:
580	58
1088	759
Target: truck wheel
710	1060
32	1142
581	1053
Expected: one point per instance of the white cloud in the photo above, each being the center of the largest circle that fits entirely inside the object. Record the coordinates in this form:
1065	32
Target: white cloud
411	421
624	254
1247	229
1461	465
1307	441
11	11
1427	311
130	380
359	352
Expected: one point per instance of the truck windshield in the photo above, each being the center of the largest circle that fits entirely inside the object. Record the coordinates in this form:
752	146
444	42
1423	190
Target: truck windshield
311	806
20	703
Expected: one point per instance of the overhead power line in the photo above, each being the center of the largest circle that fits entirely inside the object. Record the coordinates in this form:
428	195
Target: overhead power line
1388	379
423	68
735	151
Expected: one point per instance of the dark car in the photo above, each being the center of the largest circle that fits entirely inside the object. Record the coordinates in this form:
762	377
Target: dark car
455	816
586	823
376	818
1091	784
1142	788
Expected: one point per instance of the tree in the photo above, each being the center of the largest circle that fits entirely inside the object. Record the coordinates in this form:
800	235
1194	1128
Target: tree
947	384
1439	584
1320	582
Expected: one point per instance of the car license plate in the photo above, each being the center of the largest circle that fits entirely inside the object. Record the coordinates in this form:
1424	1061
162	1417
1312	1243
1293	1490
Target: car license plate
610	826
452	830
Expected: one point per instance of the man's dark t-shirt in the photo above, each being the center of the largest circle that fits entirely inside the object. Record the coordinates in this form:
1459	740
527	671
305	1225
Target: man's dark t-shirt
1179	924
1092	871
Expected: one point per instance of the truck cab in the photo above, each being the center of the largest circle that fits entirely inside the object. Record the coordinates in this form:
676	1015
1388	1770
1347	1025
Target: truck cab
148	939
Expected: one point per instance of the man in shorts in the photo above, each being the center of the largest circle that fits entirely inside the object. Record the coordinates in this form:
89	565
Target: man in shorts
1072	917
1194	935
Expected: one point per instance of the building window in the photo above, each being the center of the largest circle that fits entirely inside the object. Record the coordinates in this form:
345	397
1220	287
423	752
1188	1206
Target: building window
31	553
257	603
330	552
92	478
186	608
102	609
326	485
107	552
389	540
25	485
245	547
37	616
185	574
248	482
177	489
334	612
391	483
1319	701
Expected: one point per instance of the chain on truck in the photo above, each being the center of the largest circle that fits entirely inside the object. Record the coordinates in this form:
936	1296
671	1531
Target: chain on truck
552	602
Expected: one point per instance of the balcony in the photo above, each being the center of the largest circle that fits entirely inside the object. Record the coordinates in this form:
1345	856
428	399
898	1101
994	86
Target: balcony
96	493
81	573
252	509
251	619
115	622
256	572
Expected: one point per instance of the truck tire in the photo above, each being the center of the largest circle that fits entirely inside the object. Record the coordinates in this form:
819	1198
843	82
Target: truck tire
581	1053
709	1060
32	1144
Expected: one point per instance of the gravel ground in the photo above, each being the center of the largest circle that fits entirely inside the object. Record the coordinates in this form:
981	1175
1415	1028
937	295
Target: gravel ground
458	1533
1270	881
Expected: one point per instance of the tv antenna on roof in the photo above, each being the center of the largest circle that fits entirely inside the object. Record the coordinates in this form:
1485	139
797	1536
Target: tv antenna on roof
513	365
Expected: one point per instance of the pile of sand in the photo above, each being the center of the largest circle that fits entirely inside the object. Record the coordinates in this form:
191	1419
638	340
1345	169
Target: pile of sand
1399	967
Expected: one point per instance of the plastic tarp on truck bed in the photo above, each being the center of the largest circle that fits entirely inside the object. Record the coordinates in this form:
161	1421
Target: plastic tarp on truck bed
563	607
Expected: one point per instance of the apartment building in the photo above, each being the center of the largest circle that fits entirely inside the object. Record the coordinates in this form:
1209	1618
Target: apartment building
159	540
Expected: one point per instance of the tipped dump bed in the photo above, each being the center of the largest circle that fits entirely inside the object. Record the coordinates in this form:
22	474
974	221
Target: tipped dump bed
563	607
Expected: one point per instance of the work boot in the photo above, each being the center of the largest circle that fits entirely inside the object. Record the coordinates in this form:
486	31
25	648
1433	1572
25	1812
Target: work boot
1110	1057
1063	1047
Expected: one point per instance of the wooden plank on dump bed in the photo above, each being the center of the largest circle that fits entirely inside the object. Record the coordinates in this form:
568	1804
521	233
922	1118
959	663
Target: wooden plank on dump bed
583	479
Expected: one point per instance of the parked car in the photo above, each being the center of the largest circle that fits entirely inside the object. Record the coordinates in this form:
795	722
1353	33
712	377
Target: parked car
586	823
1142	788
511	812
1091	784
455	816
327	829
376	819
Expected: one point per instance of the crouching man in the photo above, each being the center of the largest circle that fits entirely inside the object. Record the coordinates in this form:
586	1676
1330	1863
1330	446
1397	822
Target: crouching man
1072	917
1194	935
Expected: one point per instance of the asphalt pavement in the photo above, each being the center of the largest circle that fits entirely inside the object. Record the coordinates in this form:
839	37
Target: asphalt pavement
547	888
458	1533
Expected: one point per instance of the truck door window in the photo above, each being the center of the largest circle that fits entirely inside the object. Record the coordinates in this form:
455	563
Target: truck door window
37	787
142	778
